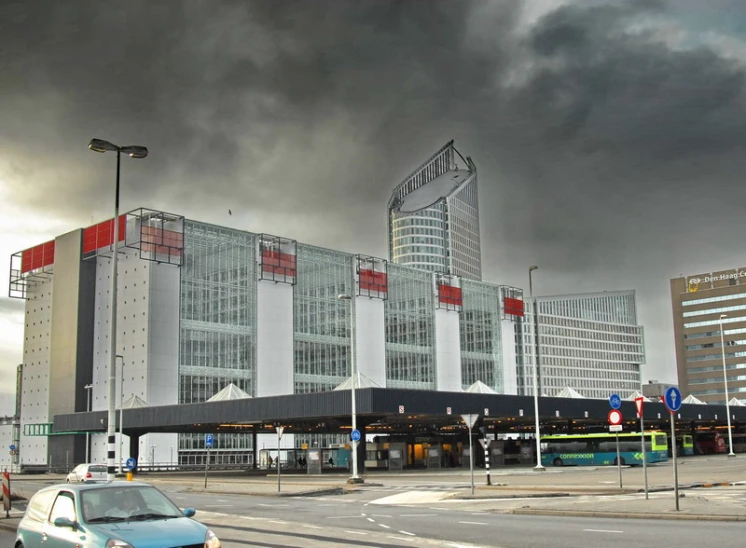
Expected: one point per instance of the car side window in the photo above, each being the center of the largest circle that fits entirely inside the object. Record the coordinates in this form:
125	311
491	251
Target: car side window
39	505
64	507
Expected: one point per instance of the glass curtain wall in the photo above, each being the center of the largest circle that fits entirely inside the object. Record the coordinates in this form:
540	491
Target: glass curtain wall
481	352
218	329
322	321
410	329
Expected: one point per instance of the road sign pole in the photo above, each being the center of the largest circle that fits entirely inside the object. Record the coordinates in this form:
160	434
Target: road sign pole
644	457
675	466
470	420
619	461
207	464
278	460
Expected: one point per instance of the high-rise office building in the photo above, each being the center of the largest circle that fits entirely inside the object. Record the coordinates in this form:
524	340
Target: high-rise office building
698	303
434	217
589	342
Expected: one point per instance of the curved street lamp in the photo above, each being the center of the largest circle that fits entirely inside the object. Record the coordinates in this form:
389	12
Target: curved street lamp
344	297
535	309
134	151
725	383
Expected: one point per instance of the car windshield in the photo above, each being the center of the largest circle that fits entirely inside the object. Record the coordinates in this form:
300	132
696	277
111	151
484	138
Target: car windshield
126	503
98	468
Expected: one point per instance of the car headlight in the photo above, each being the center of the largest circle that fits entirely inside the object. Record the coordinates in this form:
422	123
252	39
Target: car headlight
211	540
120	543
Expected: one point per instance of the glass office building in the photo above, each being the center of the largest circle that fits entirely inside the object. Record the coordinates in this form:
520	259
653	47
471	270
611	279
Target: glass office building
434	217
591	343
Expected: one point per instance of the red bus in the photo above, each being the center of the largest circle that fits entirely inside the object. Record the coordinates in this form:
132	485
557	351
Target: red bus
708	443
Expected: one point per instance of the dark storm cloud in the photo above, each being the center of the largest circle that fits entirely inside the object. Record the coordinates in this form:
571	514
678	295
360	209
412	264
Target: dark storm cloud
605	153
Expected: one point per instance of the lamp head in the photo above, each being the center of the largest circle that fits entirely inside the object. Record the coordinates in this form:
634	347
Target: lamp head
99	145
343	297
135	151
532	268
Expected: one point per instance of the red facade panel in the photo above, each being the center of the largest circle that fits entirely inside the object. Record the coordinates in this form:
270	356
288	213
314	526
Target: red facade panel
161	241
276	262
450	295
513	306
102	235
373	281
37	257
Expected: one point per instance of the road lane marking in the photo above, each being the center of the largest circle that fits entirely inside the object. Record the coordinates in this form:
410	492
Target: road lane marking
381	515
417	515
279	522
371	520
472	523
356	532
602	531
312	526
272	505
407	533
384	526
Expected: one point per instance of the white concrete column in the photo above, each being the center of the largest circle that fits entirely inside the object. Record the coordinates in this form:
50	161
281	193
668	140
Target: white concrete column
447	351
370	330
274	352
508	357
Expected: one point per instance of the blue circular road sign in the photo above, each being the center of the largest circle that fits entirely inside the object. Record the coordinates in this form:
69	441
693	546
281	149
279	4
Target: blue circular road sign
13	447
615	401
131	463
355	435
672	398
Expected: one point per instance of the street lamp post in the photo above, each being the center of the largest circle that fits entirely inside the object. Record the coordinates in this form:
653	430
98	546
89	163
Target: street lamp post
725	382
88	388
134	151
353	374
121	413
535	309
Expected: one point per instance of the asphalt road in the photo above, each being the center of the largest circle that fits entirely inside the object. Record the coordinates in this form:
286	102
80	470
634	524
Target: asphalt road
390	514
455	523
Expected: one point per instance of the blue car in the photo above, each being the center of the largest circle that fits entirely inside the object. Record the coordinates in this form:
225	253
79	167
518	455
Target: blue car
122	514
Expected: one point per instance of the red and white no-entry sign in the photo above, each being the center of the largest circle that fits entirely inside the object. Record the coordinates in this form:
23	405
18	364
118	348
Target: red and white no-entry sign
615	417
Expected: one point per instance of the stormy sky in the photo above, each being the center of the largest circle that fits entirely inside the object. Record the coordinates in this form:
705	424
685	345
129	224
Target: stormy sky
608	136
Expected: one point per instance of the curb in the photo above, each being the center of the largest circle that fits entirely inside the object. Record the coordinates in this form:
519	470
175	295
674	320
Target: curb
314	493
628	515
9	524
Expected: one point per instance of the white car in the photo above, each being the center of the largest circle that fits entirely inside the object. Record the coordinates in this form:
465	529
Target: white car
87	473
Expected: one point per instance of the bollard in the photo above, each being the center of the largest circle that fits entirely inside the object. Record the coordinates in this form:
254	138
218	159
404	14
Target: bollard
6	493
129	476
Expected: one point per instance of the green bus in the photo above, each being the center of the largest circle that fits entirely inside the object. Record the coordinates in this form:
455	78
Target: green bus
600	449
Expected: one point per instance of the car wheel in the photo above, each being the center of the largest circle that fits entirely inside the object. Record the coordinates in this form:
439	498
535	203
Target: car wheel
557	462
621	460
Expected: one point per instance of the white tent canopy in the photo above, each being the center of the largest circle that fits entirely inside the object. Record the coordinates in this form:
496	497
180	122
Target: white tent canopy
361	381
634	395
480	388
736	402
230	392
134	403
570	393
692	399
